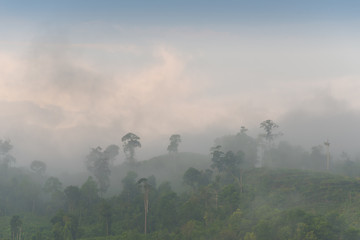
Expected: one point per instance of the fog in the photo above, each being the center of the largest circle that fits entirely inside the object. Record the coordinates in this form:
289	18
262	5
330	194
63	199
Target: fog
179	119
72	84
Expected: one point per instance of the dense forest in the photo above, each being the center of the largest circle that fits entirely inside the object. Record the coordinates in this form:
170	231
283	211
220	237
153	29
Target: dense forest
246	188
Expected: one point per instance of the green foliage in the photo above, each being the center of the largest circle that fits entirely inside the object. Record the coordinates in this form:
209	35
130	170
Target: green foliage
234	203
65	226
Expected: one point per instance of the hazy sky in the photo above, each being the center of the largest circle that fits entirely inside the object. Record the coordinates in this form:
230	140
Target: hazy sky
78	74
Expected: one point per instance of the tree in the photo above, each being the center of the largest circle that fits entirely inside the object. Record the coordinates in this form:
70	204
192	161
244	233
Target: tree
89	192
143	182
192	177
15	226
196	178
327	144
130	142
106	216
98	163
52	185
167	207
227	164
217	157
175	139
243	130
65	226
269	126
130	190
73	196
38	167
5	157
240	142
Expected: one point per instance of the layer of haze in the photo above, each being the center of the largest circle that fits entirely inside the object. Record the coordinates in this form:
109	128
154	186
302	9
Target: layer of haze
77	76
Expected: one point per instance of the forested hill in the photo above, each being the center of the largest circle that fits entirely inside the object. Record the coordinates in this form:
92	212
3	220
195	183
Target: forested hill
267	204
315	191
165	168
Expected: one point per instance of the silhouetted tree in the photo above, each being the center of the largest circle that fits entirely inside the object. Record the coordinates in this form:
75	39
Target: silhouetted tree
130	142
240	142
175	139
38	167
227	164
269	126
5	157
98	163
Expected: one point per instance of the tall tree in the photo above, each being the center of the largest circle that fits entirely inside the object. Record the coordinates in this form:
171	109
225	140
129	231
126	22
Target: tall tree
38	167
227	164
53	187
89	192
106	216
130	189
15	227
217	157
98	163
5	157
130	142
143	182
73	197
175	139
269	127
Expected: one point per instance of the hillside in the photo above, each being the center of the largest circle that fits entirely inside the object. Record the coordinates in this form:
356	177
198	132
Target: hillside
279	204
170	168
316	192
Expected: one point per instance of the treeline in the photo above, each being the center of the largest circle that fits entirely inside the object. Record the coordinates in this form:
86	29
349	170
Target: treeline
236	197
264	204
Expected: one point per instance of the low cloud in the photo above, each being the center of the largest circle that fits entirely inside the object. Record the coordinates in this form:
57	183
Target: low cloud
320	119
61	99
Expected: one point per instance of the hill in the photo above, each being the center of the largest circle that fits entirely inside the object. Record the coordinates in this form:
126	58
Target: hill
168	167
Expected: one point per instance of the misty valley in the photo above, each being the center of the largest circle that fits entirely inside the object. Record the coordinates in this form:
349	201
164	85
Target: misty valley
246	188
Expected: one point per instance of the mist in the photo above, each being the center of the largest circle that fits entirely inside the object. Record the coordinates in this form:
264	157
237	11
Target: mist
59	102
179	120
